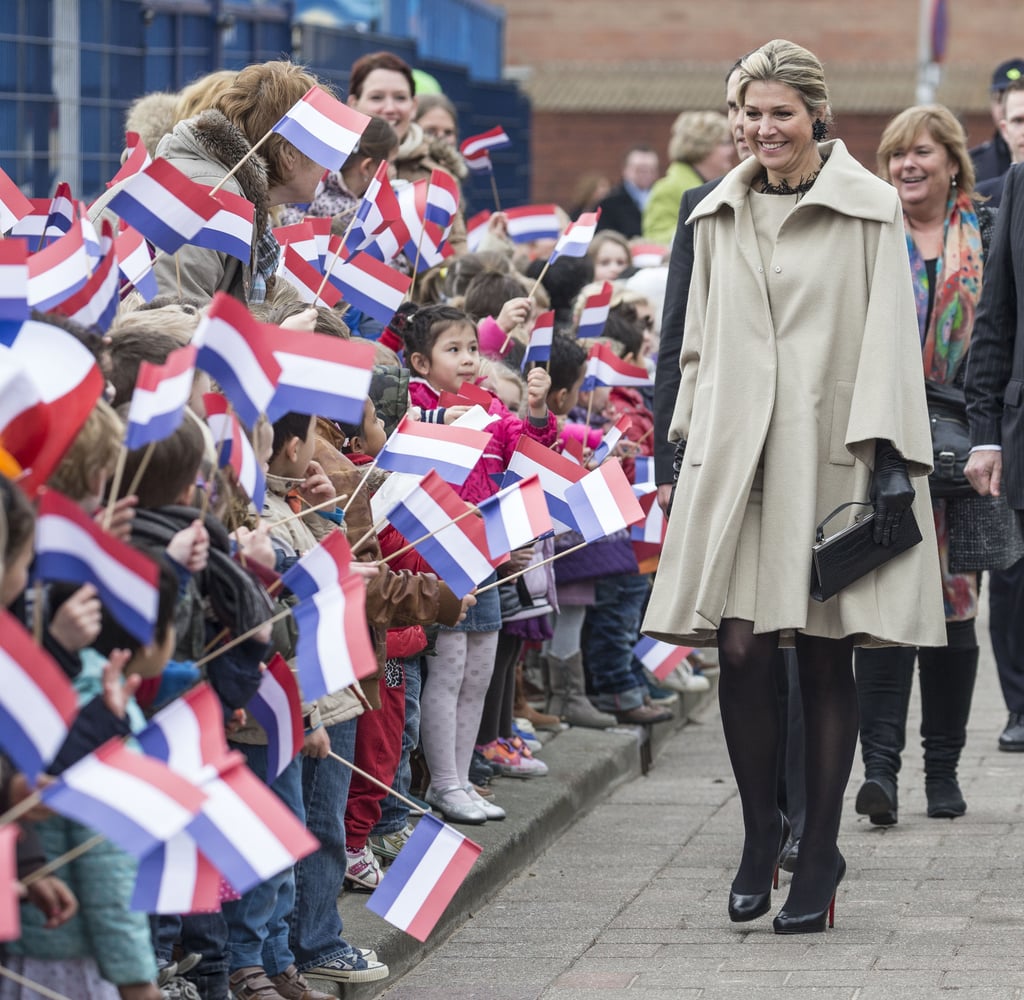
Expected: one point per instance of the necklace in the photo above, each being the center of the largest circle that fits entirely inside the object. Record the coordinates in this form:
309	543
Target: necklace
805	184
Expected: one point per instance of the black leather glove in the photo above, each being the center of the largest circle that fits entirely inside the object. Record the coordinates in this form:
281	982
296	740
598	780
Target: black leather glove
891	492
677	460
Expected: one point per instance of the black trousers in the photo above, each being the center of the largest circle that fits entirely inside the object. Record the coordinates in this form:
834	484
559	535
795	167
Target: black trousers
1006	628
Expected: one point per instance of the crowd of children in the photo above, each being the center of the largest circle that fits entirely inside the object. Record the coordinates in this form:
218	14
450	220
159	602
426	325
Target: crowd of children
460	687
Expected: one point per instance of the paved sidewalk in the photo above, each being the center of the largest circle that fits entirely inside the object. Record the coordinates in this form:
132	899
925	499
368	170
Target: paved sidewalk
631	901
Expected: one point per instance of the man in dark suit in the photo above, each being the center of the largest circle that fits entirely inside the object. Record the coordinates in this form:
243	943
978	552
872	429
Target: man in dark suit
992	158
1011	126
995	410
622	209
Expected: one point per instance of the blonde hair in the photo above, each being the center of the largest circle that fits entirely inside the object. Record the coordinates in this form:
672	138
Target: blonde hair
177	322
203	93
695	135
779	61
257	100
941	124
94	449
609	236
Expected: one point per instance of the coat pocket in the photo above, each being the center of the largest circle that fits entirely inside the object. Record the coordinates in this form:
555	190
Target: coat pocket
696	443
838	454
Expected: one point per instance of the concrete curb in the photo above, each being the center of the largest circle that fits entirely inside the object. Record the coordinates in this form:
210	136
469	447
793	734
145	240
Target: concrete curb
585	766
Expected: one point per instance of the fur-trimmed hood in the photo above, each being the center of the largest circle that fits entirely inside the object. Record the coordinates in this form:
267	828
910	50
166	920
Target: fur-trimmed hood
211	136
152	117
419	155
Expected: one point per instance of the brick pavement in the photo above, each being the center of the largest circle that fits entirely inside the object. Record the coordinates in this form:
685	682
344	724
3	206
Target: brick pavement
630	901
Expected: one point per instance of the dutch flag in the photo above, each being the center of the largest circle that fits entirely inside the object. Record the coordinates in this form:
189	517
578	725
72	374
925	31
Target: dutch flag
595	313
160	397
323	128
515	516
603	502
419	448
556	475
575	241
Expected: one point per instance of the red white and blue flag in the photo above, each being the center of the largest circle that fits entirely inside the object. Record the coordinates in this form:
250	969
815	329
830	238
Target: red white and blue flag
137	160
376	211
603	502
556	475
575	241
57	272
334	648
323	128
419	448
231	228
612	437
37	703
476	150
13	281
371	285
648	254
595	312
44	406
73	548
660	658
135	261
322	567
515	516
476	229
643	470
160	397
277	707
31	227
651	530
61	216
164	205
237	350
605	367
457	552
426	245
442	198
14	206
534	222
176	878
188	735
321	375
245	830
234	448
94	305
541	336
390	242
307	279
424	877
301	237
133	800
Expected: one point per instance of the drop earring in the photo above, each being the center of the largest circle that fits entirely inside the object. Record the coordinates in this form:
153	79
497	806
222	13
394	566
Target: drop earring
953	180
819	130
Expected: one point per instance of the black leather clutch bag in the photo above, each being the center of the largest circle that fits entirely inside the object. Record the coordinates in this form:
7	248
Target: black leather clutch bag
846	556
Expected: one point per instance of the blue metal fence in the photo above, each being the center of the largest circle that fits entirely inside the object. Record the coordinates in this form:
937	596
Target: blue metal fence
69	70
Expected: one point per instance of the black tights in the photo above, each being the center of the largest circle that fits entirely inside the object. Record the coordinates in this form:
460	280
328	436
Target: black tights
749	707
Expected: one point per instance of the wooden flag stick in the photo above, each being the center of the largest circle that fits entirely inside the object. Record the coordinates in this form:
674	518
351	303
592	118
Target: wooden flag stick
360	485
43	991
38	598
334	259
66	858
494	190
540	278
308	510
238	640
419	244
429	534
543	562
231	173
141	470
177	274
374	528
115	487
380	784
590	404
225	632
25	805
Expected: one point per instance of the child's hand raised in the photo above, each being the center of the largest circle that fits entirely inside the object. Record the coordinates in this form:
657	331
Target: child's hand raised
538	385
190	547
117	691
515	312
255	546
121	517
452	413
317	485
78	620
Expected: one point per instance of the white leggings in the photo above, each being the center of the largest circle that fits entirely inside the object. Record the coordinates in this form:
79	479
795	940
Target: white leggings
451	703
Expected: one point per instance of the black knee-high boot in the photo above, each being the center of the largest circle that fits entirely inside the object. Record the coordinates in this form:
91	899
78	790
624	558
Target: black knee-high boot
885	678
750	721
947	687
830	739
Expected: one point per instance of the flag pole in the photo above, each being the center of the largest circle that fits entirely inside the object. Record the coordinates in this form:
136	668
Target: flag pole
494	190
374	528
308	510
540	278
238	166
419	242
513	576
380	784
43	991
26	805
177	274
429	534
141	470
115	487
334	258
66	858
239	639
360	485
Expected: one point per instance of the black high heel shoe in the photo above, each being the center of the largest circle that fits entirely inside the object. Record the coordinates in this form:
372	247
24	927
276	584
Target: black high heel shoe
811	923
744	906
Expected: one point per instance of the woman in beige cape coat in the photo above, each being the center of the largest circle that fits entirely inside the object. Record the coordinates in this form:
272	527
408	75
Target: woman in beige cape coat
801	374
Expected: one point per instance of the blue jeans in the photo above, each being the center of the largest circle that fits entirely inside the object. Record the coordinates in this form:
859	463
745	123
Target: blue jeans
316	925
258	922
394	814
613	628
